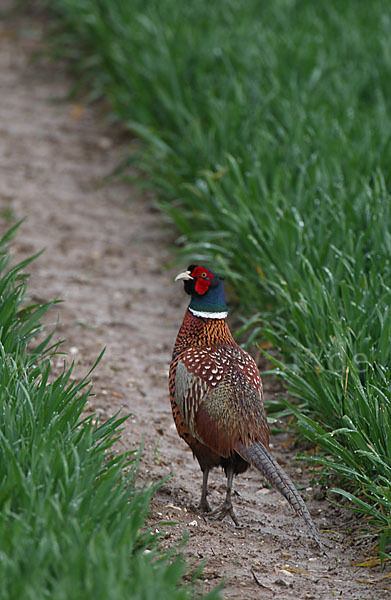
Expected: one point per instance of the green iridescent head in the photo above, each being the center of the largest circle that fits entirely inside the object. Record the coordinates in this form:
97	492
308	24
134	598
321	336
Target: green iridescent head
206	290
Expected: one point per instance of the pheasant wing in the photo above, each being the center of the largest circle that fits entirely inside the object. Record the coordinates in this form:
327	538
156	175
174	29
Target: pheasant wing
219	395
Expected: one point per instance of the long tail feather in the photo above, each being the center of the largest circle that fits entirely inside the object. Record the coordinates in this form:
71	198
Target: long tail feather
259	456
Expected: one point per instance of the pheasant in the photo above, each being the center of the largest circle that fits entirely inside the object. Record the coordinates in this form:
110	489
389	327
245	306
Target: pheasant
217	397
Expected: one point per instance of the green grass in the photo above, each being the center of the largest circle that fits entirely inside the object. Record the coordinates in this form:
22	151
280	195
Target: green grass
267	136
72	521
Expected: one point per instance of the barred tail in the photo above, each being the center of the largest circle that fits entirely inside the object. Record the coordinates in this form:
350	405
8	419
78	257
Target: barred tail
259	456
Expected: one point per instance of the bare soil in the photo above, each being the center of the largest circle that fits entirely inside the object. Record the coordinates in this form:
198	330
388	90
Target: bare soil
106	257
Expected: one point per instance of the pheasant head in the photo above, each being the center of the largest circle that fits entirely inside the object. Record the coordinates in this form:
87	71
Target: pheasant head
206	290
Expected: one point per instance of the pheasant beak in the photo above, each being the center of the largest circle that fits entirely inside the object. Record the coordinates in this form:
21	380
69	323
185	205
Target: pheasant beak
185	275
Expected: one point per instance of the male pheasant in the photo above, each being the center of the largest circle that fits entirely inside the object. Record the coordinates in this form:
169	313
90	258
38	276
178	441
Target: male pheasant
217	398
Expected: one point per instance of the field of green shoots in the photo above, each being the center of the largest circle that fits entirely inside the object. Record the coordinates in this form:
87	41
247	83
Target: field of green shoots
72	524
266	133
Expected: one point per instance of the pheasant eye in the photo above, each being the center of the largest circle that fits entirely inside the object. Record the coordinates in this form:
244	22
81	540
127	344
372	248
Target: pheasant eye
204	275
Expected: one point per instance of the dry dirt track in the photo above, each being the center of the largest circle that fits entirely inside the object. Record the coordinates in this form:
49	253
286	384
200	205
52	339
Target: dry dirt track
106	256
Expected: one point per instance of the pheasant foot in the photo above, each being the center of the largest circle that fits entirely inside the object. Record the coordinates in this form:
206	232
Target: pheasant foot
225	509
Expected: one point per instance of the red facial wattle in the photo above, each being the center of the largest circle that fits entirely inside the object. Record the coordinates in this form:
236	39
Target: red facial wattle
203	278
202	286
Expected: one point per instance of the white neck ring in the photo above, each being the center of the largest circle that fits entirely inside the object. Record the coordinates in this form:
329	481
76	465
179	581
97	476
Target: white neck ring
209	315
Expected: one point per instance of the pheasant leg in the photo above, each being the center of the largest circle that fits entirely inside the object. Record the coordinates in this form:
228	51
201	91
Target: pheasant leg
204	505
226	508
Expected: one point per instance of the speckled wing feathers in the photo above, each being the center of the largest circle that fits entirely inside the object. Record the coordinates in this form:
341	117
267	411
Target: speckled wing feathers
218	392
189	393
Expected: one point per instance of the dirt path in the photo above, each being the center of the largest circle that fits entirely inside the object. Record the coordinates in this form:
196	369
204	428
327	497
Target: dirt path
106	256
